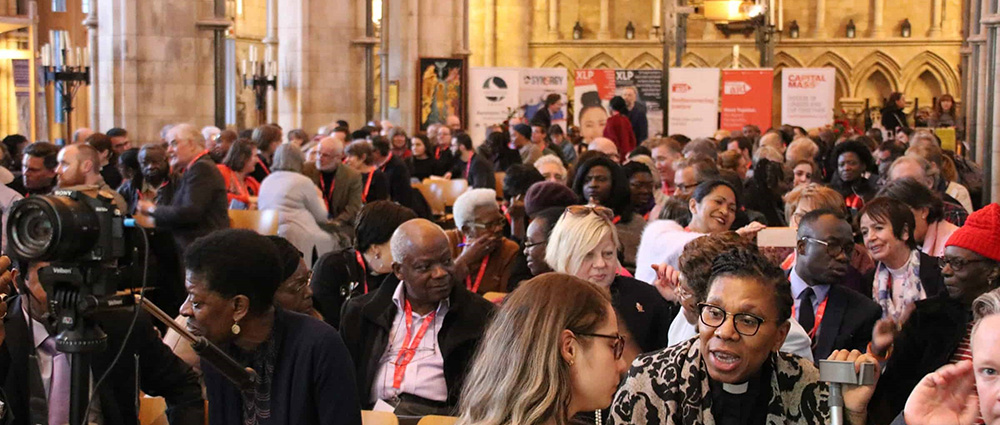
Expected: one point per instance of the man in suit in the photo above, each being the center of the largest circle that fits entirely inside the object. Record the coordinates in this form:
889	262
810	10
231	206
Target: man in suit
395	170
834	316
341	186
421	298
199	204
160	372
543	116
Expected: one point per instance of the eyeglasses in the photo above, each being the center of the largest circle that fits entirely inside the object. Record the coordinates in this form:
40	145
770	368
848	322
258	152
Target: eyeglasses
529	245
618	347
957	263
585	210
298	285
831	248
494	225
746	324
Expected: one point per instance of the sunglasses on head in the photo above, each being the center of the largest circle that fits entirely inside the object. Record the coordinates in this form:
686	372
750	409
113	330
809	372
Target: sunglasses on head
585	210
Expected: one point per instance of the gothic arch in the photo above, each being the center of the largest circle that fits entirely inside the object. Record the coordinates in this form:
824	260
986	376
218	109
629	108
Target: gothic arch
727	62
929	62
645	61
560	60
875	62
842	70
785	60
693	60
601	61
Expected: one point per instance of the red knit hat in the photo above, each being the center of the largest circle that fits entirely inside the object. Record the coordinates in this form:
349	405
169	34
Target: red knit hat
981	233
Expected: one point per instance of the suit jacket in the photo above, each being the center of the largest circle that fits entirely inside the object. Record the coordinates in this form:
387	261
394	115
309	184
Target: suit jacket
199	204
345	203
926	342
498	270
646	315
367	320
847	322
161	373
640	123
930	277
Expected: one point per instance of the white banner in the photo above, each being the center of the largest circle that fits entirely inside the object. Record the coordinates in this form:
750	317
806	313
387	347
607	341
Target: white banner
694	102
494	94
537	84
807	96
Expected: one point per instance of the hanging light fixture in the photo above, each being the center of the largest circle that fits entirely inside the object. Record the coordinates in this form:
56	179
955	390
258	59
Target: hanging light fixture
905	29
793	30
629	31
577	31
852	30
731	10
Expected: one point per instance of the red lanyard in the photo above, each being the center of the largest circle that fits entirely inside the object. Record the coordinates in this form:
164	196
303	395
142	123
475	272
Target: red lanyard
267	171
855	202
322	188
139	192
469	165
646	217
368	185
387	159
409	348
479	277
364	270
196	158
616	219
437	152
819	317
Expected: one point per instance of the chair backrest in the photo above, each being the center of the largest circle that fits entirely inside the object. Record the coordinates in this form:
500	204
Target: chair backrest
499	178
438	420
371	417
447	190
435	203
264	222
152	410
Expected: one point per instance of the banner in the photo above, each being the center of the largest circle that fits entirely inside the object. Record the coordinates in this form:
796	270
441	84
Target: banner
648	84
592	91
807	96
746	98
537	84
494	95
694	101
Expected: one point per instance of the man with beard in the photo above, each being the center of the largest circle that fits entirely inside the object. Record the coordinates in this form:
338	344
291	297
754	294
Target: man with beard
421	298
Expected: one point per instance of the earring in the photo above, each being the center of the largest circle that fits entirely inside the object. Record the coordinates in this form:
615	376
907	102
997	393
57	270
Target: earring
571	363
235	329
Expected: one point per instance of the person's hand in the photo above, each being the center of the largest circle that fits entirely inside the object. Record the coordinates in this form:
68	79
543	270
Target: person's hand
883	335
516	208
144	220
946	396
667	281
750	231
6	283
145	207
856	397
447	176
476	249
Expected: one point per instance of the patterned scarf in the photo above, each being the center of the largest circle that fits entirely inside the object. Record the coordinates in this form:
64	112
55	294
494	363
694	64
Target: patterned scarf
911	289
257	402
671	386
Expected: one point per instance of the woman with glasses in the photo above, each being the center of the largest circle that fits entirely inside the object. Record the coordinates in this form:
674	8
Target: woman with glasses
484	259
537	239
731	373
553	350
600	181
930	230
938	331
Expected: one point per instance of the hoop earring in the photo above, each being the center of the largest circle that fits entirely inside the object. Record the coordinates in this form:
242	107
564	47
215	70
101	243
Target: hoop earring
236	329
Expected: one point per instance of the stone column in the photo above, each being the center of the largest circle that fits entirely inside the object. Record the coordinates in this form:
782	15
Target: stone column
514	24
92	42
554	19
490	34
937	11
271	41
604	32
878	10
819	26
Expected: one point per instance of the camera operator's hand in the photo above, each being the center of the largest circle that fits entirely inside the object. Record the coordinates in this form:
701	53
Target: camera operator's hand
144	220
6	283
145	207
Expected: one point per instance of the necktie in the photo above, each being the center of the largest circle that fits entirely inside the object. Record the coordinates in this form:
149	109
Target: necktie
807	317
59	384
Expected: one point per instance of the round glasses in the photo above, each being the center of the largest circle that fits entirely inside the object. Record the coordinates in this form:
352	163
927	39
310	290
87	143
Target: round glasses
746	324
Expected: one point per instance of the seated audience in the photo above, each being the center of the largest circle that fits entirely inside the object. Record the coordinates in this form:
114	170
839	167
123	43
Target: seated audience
352	272
340	186
38	169
764	190
801	148
601	181
497	150
241	188
605	146
689	173
921	170
804	171
304	371
219	147
852	180
551	168
734	161
641	188
903	275
267	138
79	169
927	146
399	143
931	230
108	165
482	255
584	244
154	181
939	329
666	152
422	164
128	165
375	185
385	330
732	372
544	195
537	239
299	206
395	170
472	167
294	293
563	145
553	350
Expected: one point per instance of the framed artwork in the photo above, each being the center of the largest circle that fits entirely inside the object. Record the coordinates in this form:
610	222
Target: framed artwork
441	88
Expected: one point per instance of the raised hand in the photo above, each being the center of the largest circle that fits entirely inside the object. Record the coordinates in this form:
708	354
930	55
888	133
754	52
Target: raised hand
883	335
667	281
946	396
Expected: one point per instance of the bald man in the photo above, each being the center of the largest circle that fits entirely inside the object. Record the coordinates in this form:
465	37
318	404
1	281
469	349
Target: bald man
423	285
80	169
341	186
81	134
454	122
605	146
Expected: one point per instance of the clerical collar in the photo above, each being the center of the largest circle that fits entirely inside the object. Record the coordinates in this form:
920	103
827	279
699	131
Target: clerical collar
736	388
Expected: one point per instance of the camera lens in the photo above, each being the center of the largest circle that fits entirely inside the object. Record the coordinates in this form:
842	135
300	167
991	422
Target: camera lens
33	231
45	228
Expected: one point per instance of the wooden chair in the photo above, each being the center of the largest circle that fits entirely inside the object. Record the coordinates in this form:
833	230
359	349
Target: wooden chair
371	417
152	410
438	420
447	190
436	204
263	222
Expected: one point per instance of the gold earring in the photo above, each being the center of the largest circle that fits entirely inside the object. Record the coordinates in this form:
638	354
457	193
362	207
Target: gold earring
571	363
236	329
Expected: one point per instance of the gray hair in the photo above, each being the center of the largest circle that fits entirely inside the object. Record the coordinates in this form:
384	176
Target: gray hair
550	159
288	157
984	306
187	132
466	204
919	160
209	131
400	242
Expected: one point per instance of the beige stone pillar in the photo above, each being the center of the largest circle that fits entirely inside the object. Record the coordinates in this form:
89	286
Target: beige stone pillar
937	11
554	19
490	34
819	25
271	41
878	16
513	22
604	32
92	42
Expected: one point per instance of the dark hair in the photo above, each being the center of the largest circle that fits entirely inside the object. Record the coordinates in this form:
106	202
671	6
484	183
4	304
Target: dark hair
340	129
99	141
550	216
875	134
680	138
640	150
298	133
891	211
12	141
130	160
891	102
695	261
377	221
239	153
117	132
706	187
552	98
463	139
915	195
744	143
750	264
894	148
588	99
342	123
360	134
288	256
859	149
264	135
621	195
618	105
45	150
811	217
519	179
381	144
634	168
554	129
255	272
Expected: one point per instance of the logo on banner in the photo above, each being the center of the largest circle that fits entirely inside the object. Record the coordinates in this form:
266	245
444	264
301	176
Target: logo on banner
585	75
805	81
541	80
736	88
680	88
495	89
624	75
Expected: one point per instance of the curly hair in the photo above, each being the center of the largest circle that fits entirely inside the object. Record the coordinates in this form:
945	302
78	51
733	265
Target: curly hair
621	195
695	262
752	265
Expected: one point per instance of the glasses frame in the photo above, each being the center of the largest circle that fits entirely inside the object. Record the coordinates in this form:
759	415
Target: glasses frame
300	285
945	261
618	349
726	315
846	249
584	210
529	245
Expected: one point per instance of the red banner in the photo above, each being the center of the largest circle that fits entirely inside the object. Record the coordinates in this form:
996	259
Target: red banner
746	98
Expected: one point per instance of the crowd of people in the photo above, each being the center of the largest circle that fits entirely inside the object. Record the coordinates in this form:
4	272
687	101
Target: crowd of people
617	278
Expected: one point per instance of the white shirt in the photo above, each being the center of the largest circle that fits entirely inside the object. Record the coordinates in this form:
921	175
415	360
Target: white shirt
425	374
797	342
662	241
961	194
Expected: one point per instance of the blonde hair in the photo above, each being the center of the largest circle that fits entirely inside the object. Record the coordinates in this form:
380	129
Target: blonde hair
984	306
819	196
801	148
519	375
573	237
772	154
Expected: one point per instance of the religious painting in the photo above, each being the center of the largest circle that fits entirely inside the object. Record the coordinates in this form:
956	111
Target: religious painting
441	88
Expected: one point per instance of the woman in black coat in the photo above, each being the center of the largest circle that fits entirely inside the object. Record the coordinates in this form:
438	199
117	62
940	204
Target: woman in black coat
893	117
